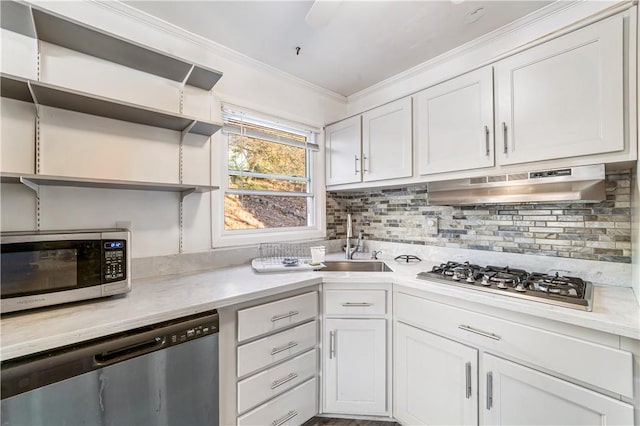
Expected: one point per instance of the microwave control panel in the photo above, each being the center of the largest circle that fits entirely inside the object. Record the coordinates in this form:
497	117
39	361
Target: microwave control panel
114	260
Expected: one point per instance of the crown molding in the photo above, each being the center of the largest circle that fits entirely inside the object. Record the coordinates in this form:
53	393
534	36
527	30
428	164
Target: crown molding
517	25
218	49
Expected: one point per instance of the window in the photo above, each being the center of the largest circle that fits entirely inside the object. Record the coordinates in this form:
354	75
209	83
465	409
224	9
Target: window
270	182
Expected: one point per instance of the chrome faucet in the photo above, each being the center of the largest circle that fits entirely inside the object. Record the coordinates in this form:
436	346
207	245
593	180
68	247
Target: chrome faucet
348	251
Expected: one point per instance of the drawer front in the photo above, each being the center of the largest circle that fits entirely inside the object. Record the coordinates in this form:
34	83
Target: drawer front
261	353
355	302
598	365
276	380
262	319
290	409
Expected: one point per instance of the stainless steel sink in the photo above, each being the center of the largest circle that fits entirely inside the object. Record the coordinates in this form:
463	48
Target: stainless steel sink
355	266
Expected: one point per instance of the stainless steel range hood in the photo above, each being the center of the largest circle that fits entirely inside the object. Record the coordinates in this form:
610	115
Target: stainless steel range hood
582	184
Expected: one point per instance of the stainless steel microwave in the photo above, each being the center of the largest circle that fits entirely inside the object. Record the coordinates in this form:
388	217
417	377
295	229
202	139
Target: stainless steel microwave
42	268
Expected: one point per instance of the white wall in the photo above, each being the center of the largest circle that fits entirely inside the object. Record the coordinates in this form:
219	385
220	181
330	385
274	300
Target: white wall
81	145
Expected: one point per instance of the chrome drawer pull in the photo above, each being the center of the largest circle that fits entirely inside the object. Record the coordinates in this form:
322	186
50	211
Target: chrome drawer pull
356	165
352	304
332	351
468	378
279	317
480	332
284	348
280	382
291	414
489	391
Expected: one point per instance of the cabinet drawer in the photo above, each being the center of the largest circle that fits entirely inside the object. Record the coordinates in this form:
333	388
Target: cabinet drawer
291	409
276	380
592	363
266	351
355	302
253	322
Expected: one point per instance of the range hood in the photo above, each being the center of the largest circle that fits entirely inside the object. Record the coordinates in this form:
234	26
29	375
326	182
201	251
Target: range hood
582	184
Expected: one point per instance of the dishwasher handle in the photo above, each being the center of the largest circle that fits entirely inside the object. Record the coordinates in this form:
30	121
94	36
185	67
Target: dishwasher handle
122	354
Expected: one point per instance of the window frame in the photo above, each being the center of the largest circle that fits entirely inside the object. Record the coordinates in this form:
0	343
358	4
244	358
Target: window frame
316	191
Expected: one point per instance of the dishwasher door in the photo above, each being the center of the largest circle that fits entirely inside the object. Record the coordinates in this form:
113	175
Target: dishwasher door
174	381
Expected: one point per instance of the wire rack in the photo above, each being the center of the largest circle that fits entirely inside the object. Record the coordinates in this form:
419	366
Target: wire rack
285	254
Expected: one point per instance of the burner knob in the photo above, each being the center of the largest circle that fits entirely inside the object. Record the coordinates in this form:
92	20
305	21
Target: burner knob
485	280
455	276
520	288
502	285
470	279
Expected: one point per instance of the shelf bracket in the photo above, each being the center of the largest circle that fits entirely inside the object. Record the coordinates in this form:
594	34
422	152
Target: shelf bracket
186	130
186	192
35	188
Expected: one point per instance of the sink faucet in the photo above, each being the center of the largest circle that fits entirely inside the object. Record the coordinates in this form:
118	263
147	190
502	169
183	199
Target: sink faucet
348	251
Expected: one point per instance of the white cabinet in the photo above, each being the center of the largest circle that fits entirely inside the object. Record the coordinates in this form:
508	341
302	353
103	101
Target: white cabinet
343	151
563	98
357	349
450	364
517	395
435	379
355	375
386	142
374	146
270	355
455	124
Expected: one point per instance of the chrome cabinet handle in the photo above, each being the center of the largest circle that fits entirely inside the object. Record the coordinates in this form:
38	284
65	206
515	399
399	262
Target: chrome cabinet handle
356	159
352	304
504	134
279	317
468	378
480	332
486	139
489	390
284	348
332	349
280	382
364	163
291	414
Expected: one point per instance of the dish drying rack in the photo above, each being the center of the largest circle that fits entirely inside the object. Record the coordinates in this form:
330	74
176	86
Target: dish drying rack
285	257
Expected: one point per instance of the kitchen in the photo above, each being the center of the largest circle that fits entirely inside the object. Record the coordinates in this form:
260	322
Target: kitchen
179	232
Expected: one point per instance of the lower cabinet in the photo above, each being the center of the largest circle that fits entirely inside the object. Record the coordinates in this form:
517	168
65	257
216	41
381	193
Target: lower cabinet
453	366
355	362
517	395
436	379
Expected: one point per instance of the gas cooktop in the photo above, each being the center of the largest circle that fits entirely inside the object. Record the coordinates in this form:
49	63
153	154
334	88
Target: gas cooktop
554	289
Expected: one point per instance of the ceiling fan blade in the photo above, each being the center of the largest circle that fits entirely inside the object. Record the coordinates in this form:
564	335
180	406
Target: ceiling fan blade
321	12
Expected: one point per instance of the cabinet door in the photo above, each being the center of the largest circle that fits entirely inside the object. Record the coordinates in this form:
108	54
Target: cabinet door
387	141
355	360
516	395
563	98
435	379
343	156
455	124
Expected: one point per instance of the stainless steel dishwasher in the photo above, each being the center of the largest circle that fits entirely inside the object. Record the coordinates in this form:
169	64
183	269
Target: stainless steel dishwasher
164	374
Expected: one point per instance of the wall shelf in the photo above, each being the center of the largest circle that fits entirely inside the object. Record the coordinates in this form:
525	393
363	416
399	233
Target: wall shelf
70	34
74	100
34	181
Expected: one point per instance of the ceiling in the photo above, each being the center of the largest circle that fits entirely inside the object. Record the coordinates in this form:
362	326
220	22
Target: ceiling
351	46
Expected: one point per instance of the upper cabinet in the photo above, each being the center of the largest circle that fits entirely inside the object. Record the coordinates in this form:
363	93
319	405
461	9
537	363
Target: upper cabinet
386	141
343	151
455	124
375	146
563	98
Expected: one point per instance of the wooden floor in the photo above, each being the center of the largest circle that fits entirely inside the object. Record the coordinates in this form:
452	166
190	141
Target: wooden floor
324	421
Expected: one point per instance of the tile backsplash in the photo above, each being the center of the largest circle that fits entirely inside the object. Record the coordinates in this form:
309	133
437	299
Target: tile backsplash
581	231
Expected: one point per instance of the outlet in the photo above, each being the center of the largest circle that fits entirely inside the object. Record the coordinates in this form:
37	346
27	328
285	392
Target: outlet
431	226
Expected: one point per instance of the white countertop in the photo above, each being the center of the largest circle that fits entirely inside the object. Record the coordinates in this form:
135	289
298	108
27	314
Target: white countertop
162	298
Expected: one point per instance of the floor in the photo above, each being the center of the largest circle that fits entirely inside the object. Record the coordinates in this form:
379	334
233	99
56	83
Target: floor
324	421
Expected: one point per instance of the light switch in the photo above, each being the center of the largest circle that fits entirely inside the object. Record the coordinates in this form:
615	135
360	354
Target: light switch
431	225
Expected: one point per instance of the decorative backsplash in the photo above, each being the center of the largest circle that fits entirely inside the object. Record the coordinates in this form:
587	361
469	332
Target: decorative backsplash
581	231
